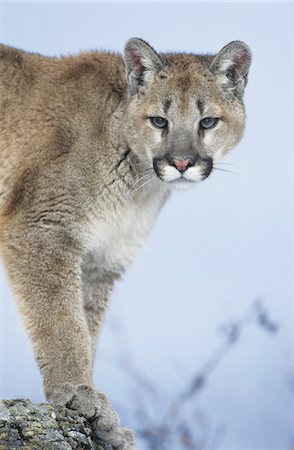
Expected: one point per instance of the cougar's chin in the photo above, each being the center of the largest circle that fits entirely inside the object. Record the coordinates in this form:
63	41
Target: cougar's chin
182	184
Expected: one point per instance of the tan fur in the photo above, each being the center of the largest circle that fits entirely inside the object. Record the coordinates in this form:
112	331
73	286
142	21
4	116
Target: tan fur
78	191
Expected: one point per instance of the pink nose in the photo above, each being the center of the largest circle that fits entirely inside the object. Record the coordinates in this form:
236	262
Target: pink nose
182	165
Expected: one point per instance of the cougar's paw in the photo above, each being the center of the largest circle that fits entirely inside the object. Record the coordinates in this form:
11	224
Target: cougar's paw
95	406
116	439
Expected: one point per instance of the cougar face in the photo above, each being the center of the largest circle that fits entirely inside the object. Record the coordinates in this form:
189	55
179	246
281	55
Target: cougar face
185	111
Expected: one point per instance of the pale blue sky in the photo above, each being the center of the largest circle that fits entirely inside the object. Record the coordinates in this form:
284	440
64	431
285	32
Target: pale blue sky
214	249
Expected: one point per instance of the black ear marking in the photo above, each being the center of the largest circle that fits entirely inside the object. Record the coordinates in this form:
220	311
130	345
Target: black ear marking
141	60
200	106
167	105
232	65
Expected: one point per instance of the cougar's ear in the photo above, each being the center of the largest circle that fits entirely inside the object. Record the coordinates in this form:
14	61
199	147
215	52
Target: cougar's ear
141	62
231	65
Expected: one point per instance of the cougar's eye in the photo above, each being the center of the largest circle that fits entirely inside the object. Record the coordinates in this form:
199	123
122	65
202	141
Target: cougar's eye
158	122
209	122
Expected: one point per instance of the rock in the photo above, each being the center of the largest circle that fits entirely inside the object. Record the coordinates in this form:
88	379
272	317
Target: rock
24	425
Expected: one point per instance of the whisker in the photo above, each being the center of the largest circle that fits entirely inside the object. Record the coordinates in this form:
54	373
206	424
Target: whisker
227	164
144	184
140	179
225	170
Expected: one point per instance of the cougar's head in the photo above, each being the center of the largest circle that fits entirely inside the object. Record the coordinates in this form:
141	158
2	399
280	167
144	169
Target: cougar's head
184	111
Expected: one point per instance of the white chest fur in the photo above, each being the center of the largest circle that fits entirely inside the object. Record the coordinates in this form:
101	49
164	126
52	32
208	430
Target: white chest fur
115	238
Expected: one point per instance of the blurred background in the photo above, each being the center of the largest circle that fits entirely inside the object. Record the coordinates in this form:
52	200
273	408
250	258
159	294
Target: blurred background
197	349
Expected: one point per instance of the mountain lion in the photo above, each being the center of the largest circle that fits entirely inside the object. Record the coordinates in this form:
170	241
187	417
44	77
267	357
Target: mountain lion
91	146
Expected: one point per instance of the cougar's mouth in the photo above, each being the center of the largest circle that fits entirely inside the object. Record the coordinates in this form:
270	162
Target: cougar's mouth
184	171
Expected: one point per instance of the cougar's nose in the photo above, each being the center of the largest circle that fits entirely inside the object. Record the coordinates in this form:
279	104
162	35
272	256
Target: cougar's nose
182	164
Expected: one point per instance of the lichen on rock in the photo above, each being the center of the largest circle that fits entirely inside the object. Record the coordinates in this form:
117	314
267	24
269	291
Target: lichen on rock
43	426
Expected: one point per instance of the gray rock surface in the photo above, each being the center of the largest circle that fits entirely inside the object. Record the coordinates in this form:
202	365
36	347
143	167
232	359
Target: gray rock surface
46	426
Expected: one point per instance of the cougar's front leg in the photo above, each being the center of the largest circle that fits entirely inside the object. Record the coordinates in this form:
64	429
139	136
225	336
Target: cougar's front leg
44	267
45	270
96	287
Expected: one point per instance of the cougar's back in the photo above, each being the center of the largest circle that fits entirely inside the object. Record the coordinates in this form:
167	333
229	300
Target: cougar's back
17	81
